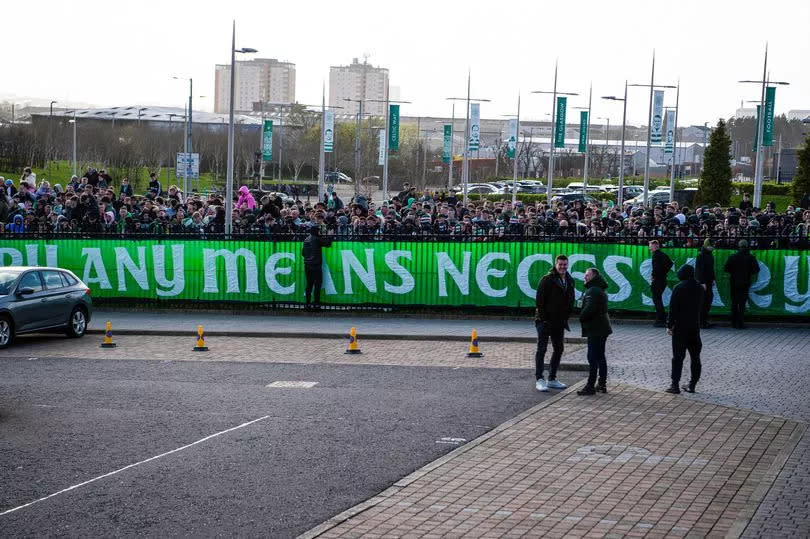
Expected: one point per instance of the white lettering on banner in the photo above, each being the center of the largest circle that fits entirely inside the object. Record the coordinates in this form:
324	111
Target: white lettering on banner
210	257
328	284
367	276
483	272
792	286
13	254
611	270
717	301
462	278
579	275
523	270
646	273
178	284
408	283
762	301
95	263
138	270
271	270
32	254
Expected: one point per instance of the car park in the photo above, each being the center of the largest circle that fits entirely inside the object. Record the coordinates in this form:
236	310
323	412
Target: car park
42	299
570	197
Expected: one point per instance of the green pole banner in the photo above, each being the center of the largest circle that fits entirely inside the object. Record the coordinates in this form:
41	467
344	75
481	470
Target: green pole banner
583	131
448	142
756	131
559	129
393	128
503	274
267	141
770	102
511	142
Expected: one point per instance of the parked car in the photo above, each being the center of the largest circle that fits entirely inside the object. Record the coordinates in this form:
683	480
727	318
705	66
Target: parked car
34	299
336	177
653	198
570	197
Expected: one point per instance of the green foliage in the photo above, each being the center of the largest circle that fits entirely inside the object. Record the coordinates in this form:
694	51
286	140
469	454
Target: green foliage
715	185
767	188
801	182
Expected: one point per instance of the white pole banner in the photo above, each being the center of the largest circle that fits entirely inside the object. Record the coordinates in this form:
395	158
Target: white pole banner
475	127
381	159
669	144
329	131
657	118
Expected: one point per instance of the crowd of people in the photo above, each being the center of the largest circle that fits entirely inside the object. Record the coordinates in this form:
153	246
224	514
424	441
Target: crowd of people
93	205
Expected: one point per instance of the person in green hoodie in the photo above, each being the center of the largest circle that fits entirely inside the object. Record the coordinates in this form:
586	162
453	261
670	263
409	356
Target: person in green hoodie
596	328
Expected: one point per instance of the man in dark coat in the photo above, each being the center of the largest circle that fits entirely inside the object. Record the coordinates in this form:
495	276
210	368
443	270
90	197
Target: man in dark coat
661	264
313	261
683	325
741	267
554	301
704	274
596	328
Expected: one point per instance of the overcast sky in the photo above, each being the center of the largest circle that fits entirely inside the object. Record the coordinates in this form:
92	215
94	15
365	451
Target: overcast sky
114	53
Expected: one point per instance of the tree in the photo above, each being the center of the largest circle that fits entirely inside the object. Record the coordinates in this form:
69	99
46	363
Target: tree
715	180
801	182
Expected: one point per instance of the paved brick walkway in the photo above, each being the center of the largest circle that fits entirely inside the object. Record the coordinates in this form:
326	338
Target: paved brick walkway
632	463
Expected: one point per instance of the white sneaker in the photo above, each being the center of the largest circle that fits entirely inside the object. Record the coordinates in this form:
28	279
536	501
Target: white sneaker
541	385
556	384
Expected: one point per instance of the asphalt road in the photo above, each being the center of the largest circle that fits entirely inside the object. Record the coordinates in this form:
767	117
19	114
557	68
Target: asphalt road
310	454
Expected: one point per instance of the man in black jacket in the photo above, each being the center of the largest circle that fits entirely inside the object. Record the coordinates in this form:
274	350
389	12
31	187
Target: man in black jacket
683	325
554	301
661	264
740	266
704	274
313	261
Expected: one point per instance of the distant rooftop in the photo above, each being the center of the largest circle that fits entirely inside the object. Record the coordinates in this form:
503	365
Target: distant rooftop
152	114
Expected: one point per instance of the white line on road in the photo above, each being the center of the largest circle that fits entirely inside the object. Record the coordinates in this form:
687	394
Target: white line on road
150	459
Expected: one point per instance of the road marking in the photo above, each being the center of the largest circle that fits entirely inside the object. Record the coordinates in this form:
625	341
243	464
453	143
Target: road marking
150	459
452	441
292	384
33	358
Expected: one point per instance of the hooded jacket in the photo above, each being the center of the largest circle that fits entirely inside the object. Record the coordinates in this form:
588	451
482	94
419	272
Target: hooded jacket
594	315
685	303
555	299
246	200
17	226
741	266
704	266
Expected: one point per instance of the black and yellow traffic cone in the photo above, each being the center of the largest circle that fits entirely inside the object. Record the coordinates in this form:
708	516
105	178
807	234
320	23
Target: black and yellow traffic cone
353	348
200	341
108	340
474	350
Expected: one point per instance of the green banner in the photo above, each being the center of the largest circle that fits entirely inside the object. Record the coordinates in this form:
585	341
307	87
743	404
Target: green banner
559	129
756	131
770	102
393	273
447	152
267	141
583	131
393	128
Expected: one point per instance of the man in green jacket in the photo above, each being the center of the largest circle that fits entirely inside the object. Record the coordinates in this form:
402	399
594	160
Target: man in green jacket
596	327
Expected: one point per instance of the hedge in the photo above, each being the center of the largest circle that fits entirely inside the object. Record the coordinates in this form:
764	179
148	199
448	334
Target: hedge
767	188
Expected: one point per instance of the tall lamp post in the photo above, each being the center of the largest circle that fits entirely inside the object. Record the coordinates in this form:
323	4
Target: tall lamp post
187	145
388	103
554	94
620	198
229	177
465	166
50	137
73	121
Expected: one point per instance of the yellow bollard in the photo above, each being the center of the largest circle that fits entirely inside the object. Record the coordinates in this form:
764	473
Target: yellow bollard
108	340
200	341
474	351
353	346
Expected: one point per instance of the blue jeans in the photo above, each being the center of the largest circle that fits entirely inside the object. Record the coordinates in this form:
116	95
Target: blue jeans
544	333
597	360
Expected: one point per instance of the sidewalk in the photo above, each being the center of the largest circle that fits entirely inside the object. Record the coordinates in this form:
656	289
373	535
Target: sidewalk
630	463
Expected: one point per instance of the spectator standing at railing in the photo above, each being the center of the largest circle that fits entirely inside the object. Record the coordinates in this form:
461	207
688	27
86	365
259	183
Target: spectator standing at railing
704	274
661	264
741	267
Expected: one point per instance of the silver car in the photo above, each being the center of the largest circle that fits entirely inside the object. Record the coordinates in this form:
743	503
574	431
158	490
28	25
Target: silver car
37	299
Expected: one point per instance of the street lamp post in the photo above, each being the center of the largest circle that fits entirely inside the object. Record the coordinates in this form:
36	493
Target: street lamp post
620	198
358	119
73	121
229	176
387	128
465	165
50	138
515	160
587	140
554	94
189	125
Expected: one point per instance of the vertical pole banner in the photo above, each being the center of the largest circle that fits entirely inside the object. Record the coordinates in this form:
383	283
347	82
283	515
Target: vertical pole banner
511	142
475	127
448	139
756	131
329	131
267	141
383	138
559	130
657	118
393	128
583	131
669	145
770	101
